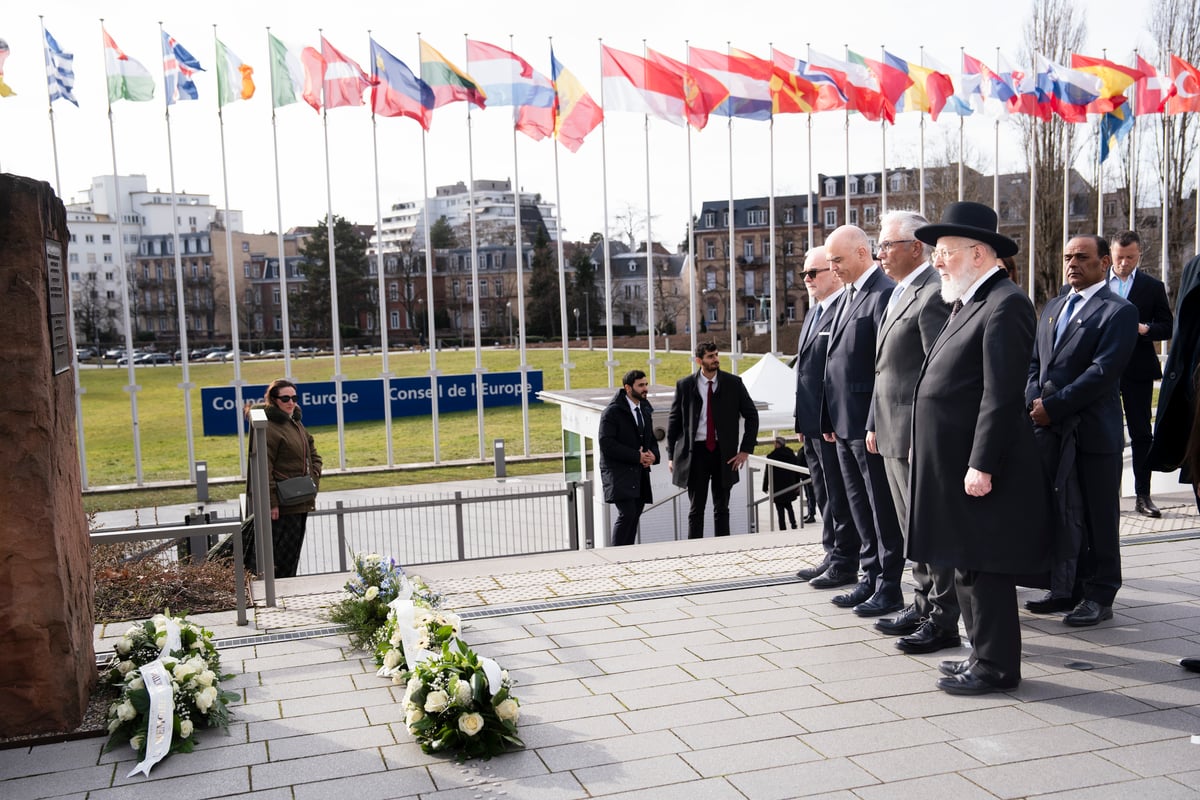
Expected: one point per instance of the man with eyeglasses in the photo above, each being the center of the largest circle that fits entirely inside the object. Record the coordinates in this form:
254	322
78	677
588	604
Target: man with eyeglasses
1084	341
839	537
915	316
977	500
846	402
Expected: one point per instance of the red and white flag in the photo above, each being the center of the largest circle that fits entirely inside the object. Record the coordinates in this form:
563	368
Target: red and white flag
343	80
1185	87
1151	90
631	83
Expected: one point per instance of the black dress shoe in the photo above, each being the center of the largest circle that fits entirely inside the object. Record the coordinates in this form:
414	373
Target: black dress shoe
929	638
969	683
858	594
1191	663
1088	612
809	520
1048	604
885	601
1144	505
808	573
907	621
832	578
953	668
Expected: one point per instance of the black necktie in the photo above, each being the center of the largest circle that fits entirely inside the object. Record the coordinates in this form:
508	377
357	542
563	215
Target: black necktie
637	412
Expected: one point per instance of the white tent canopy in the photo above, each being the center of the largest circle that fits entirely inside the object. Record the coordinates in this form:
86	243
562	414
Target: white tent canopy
772	382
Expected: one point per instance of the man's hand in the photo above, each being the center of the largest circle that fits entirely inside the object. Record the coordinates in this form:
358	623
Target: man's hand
1143	329
977	484
871	447
670	465
738	460
275	512
829	437
646	456
800	438
1039	414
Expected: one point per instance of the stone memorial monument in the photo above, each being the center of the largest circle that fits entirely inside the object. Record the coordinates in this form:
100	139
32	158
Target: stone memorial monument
47	664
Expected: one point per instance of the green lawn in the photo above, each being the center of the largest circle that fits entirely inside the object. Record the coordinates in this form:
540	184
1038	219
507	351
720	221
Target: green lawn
107	418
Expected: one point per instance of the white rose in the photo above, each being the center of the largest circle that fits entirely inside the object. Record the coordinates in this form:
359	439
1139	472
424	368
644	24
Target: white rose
463	694
183	671
205	698
436	701
206	677
470	724
136	742
137	683
372	593
414	686
185	728
391	659
160	622
509	711
396	638
125	667
124	645
160	641
126	711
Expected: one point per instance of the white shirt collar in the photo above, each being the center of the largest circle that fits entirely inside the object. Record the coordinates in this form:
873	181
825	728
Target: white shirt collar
831	299
974	287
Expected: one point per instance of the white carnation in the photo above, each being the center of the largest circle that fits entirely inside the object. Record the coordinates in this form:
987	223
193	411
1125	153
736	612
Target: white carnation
463	694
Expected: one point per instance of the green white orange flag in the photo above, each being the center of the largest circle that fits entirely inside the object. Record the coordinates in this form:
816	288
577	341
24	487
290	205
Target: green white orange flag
234	81
127	78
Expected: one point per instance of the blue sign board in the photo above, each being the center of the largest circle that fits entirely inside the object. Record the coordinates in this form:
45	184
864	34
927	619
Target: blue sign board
362	401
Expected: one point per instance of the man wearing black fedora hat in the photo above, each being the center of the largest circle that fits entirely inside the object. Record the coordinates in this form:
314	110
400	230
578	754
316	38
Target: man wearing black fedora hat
978	502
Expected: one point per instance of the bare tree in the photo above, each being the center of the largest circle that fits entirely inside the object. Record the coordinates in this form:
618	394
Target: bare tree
1175	26
1055	29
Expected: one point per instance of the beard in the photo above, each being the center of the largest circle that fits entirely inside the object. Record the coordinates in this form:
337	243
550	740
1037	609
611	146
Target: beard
953	288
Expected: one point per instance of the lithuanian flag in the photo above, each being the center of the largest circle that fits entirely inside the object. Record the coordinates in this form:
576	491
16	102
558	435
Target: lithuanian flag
449	83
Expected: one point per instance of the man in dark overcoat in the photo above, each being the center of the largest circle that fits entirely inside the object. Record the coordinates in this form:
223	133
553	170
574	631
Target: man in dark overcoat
627	451
978	501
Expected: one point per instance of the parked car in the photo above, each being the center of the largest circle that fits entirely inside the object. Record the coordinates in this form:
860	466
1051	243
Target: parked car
216	355
153	358
242	353
114	352
85	353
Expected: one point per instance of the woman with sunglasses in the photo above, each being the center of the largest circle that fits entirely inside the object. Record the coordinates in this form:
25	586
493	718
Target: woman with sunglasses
291	453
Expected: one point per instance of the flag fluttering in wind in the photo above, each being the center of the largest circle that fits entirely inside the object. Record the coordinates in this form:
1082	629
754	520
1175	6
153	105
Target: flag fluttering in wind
178	68
1115	79
576	114
509	80
295	76
234	79
396	91
631	83
985	89
5	90
1185	83
127	78
1070	91
858	86
1021	87
957	101
60	72
892	82
702	92
342	80
791	91
930	89
1114	126
747	80
826	91
449	83
1151	91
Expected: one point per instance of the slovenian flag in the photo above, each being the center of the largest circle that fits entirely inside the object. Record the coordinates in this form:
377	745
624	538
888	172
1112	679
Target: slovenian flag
509	80
127	79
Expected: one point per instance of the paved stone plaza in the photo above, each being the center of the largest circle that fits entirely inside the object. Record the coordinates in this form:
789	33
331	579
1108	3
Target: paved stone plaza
724	678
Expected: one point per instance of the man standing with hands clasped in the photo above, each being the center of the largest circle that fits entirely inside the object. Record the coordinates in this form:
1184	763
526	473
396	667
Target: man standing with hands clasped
627	451
702	438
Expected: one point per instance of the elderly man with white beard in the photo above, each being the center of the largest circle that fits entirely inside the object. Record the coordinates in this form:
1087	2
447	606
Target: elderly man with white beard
978	501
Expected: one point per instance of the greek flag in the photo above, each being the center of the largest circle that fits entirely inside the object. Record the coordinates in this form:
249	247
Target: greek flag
60	71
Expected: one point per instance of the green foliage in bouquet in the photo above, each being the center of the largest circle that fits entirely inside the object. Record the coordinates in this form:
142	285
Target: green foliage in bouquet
195	670
375	583
434	629
450	708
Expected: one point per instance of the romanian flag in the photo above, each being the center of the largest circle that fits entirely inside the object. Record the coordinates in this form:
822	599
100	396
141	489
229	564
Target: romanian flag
234	81
397	92
448	82
576	114
127	78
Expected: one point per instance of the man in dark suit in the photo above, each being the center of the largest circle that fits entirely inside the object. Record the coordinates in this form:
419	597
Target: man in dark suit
849	381
627	451
977	500
703	447
1149	297
1084	340
839	537
915	316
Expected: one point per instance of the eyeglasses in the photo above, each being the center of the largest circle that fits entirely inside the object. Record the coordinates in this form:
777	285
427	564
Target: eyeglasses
286	398
943	253
889	244
811	274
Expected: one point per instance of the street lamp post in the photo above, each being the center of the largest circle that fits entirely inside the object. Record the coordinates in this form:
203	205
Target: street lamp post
576	312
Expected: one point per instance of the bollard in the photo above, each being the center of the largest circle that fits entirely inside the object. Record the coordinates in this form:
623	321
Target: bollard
202	482
498	451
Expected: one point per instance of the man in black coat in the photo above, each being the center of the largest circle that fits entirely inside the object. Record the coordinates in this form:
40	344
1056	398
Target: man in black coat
977	500
1084	340
703	447
839	537
849	383
1149	297
1176	396
627	451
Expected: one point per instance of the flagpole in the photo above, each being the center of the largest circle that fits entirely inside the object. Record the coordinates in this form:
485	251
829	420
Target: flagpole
693	323
610	362
283	276
567	364
430	263
961	146
883	206
732	315
524	366
650	333
479	368
921	165
79	390
771	237
1032	230
809	210
1099	185
1133	166
1066	205
996	155
238	383
181	309
335	317
385	372
131	386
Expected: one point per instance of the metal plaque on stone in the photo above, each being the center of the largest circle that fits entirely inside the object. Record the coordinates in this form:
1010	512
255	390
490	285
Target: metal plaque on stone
56	296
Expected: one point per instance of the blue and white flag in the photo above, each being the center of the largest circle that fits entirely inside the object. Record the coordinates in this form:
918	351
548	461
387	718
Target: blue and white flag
60	72
178	68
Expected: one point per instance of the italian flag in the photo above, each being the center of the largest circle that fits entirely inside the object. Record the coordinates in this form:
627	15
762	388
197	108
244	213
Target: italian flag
127	79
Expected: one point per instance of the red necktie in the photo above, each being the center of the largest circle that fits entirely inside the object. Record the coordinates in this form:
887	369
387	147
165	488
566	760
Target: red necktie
710	436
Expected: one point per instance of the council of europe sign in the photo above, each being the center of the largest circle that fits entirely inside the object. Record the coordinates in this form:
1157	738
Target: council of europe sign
362	401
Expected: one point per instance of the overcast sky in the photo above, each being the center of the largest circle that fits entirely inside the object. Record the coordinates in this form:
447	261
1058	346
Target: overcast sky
942	27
